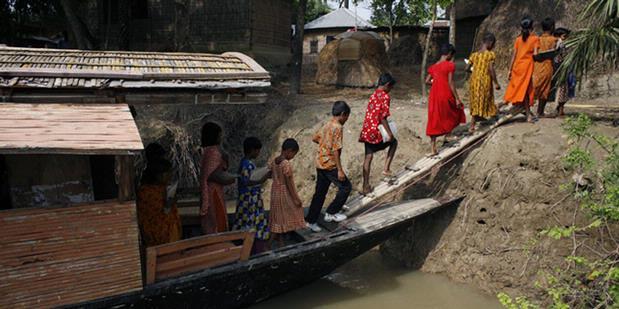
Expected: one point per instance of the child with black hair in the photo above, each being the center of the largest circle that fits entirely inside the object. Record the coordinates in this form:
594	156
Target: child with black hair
376	117
286	212
565	90
481	94
544	69
329	168
520	89
213	178
445	109
250	214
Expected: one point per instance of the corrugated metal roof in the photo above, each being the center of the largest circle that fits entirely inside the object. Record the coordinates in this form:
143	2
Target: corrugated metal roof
68	129
61	68
340	18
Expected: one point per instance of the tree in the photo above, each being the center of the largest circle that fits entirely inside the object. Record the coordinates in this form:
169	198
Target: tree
297	48
391	13
424	60
452	23
21	19
80	32
596	43
315	9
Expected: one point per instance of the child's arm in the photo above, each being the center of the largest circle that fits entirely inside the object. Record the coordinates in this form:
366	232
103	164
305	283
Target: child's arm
292	188
429	79
511	63
492	73
452	86
222	177
341	175
316	137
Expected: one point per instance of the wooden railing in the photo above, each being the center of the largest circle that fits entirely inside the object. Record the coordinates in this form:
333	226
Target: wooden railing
195	254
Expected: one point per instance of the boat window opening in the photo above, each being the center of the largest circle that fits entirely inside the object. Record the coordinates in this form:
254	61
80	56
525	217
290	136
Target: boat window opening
103	177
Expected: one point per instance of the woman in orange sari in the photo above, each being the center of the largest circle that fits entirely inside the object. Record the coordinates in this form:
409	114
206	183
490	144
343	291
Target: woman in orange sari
158	216
544	69
213	213
520	89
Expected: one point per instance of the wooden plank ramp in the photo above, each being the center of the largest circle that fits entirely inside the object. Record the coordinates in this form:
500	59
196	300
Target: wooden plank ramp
422	168
56	256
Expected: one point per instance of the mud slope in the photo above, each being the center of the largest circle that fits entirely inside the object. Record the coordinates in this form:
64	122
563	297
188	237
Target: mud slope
512	187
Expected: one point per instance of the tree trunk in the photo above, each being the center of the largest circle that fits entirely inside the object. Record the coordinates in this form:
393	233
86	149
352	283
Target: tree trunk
297	49
426	50
78	29
452	24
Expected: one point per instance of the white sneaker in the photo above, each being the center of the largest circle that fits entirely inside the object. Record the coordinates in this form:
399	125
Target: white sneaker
314	227
345	208
336	217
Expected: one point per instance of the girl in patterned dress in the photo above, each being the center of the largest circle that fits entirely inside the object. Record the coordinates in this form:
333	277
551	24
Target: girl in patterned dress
250	213
563	89
286	207
481	95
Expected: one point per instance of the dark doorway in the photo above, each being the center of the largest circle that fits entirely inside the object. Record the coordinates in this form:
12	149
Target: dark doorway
5	188
103	177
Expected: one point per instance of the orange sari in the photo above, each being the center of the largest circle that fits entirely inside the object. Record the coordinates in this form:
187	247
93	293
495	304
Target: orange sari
157	226
521	84
213	207
542	74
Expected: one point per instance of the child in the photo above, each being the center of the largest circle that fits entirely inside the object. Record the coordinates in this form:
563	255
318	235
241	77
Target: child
544	70
563	94
520	87
481	95
445	109
286	207
377	114
159	220
250	209
329	168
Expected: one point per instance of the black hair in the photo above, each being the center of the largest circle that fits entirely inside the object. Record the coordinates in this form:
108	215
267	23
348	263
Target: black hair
251	143
526	25
290	144
210	134
489	39
340	108
561	31
154	151
447	49
154	170
386	79
548	24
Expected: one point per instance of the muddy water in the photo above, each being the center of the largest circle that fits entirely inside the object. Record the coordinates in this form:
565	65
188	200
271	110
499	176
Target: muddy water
368	282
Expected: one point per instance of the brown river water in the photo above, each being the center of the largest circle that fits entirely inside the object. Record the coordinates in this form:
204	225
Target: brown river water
369	282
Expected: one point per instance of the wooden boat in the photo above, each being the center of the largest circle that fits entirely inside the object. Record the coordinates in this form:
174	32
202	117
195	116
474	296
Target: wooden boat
262	276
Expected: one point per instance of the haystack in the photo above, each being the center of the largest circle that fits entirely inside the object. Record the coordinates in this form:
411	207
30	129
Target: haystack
353	59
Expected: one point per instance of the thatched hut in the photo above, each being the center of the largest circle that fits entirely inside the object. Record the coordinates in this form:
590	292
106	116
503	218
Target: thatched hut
353	59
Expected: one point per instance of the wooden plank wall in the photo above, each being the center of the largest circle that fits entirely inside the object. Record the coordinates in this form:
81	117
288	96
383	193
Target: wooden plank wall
58	256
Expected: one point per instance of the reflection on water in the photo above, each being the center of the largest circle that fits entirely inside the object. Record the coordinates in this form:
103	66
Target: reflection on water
367	282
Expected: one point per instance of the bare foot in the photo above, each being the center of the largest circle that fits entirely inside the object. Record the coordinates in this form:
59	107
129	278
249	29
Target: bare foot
387	173
367	191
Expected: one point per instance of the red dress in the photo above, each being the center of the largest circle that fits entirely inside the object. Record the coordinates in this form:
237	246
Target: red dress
444	115
377	111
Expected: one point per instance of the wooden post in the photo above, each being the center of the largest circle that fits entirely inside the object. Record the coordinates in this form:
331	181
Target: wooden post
125	176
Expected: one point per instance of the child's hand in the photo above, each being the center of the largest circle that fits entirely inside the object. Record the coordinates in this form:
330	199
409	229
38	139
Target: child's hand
497	87
460	104
341	176
298	203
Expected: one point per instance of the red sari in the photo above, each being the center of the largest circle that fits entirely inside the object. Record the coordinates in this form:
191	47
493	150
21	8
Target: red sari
213	207
444	115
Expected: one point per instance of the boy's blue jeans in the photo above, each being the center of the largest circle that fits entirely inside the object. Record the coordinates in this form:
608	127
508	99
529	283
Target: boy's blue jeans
324	178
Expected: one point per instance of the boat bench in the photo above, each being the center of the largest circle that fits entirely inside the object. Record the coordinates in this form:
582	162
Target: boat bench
195	254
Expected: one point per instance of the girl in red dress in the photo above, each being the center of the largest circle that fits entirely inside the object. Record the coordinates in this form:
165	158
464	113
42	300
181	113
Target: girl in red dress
445	109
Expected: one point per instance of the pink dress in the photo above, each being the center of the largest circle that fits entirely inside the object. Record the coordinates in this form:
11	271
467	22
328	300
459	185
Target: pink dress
284	215
214	217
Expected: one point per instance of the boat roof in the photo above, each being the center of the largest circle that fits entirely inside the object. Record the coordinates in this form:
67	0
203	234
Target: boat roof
89	69
68	129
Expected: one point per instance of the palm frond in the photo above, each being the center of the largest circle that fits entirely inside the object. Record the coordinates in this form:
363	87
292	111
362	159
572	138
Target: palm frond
607	10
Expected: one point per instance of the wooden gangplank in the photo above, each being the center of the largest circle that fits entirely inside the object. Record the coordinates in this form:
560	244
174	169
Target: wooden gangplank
422	168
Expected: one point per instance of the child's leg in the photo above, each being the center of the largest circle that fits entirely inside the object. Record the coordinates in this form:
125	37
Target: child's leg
343	191
434	150
390	155
473	120
541	107
322	187
560	110
367	165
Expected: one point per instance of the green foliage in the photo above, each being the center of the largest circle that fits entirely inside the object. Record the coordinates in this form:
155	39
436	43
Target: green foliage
400	12
20	19
518	303
597	42
315	9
